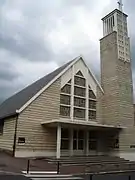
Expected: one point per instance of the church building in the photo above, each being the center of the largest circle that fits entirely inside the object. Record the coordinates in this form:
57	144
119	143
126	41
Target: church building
68	112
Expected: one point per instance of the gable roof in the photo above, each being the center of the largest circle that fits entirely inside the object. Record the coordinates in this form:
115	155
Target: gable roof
19	101
10	106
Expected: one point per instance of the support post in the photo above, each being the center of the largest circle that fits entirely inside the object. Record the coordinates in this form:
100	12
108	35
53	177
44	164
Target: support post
58	141
72	95
87	97
71	142
28	166
58	167
87	143
14	145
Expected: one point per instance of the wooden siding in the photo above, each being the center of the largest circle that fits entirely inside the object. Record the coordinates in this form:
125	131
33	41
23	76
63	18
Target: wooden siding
44	108
7	138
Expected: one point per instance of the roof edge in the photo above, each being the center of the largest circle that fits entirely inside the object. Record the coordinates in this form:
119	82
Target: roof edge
9	115
95	79
115	10
54	79
46	86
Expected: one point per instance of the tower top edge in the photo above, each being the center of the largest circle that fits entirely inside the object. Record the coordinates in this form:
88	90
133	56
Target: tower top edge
113	12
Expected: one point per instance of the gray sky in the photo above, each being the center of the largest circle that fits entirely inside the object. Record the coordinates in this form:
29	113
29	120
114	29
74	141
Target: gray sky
37	36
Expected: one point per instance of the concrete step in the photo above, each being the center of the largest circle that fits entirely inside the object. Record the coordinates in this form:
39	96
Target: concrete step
87	159
52	177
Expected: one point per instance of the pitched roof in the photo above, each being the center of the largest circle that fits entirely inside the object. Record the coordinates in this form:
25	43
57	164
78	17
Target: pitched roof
12	104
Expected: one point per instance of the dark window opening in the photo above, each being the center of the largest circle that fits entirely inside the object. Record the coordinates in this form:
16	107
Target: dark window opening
93	138
21	140
79	73
91	94
79	113
75	144
75	134
66	89
80	144
132	146
64	111
80	134
92	114
92	104
64	133
113	21
64	139
78	140
65	99
65	144
79	102
79	91
79	81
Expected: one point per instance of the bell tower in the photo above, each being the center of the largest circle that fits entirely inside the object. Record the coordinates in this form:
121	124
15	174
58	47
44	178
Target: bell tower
116	74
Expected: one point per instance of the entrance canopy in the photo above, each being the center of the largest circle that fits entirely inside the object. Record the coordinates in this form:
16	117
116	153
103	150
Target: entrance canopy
79	123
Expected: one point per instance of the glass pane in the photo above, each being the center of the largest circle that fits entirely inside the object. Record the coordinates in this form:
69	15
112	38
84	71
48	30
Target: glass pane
79	91
93	135
64	111
80	134
92	114
74	134
80	144
79	73
75	144
66	89
64	133
64	144
64	99
79	81
79	102
79	113
91	94
92	104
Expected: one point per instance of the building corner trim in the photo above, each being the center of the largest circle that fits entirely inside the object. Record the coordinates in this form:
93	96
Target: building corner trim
14	143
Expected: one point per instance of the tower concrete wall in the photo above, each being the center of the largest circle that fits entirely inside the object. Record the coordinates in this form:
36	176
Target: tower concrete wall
117	101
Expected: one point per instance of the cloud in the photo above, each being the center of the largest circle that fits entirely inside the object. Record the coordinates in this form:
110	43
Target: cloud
38	36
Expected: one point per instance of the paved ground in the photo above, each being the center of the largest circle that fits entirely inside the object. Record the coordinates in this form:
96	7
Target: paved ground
13	177
17	165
